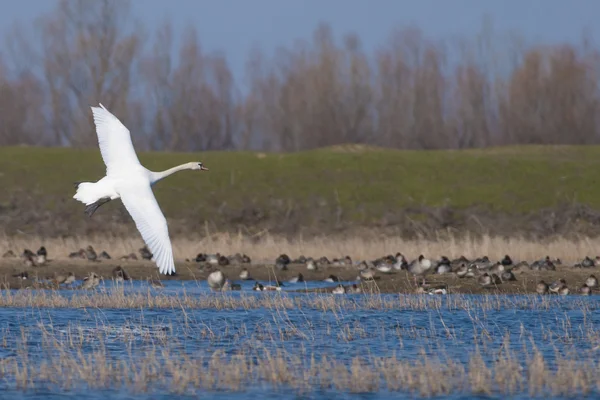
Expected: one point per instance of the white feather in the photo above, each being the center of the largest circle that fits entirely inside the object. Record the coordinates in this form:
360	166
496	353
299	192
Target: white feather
142	206
115	143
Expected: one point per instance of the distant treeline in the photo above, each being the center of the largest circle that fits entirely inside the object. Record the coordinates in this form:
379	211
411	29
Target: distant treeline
412	92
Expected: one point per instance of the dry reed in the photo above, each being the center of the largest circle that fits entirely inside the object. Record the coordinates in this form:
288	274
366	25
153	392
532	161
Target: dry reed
267	247
118	298
279	346
66	360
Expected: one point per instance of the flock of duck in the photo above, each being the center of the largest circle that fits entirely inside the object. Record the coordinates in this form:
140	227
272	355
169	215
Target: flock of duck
487	273
40	257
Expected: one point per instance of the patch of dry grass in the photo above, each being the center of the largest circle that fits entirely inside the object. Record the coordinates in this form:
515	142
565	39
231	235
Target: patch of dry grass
118	298
267	247
68	362
142	354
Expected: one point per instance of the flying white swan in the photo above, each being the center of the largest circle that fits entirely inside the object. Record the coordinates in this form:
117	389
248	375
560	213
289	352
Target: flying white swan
128	180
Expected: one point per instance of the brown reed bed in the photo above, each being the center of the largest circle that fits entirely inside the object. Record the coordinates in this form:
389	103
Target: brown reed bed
66	365
77	355
264	249
370	245
119	299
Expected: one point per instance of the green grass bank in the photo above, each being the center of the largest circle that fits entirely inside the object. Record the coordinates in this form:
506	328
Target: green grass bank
531	189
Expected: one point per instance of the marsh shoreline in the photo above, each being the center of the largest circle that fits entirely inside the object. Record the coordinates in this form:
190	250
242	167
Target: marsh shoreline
396	282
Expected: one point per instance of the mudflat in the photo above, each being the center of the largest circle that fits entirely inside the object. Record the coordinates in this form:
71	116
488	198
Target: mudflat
396	282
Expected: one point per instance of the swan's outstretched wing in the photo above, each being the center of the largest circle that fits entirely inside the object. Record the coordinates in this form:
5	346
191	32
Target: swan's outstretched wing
150	221
114	140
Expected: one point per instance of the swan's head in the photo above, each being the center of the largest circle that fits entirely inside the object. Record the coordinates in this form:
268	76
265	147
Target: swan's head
198	166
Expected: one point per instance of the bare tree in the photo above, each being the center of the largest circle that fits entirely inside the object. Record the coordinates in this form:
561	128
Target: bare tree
470	108
553	98
88	58
317	92
194	103
21	118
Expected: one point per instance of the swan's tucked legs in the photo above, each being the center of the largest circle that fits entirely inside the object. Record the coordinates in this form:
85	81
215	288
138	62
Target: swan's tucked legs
91	209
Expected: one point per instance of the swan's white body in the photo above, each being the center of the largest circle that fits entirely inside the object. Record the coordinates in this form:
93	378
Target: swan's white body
128	180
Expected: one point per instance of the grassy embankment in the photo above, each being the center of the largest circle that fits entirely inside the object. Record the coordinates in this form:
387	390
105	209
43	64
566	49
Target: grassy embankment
325	190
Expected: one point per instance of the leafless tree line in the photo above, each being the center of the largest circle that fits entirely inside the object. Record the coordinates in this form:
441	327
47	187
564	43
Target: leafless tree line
412	92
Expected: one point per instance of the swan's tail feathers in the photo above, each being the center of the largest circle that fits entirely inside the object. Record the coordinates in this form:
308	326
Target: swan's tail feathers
86	193
76	184
90	209
89	193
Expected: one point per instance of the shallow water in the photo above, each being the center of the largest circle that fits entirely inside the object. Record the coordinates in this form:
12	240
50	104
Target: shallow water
558	328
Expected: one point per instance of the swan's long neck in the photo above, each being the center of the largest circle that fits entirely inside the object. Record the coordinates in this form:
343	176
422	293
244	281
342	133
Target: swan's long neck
157	176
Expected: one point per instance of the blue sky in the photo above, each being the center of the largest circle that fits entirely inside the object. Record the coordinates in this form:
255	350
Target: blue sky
235	26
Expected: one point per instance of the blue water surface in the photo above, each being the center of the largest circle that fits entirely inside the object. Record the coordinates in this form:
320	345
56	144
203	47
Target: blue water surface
556	326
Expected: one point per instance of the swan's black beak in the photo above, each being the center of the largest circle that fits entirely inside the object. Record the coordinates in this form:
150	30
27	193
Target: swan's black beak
203	168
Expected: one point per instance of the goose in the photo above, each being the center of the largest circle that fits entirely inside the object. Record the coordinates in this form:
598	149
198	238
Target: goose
91	253
557	285
245	275
485	280
223	261
508	276
78	254
431	291
282	262
542	287
443	269
120	274
90	281
339	289
59	279
520	266
311	265
506	261
145	253
27	253
420	267
228	285
367	274
588	263
236	259
300	260
585	290
482	263
216	279
563	291
324	261
297	279
401	262
29	261
384	267
42	255
259	287
462	270
128	180
212	259
592	282
22	275
355	288
497	269
70	278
